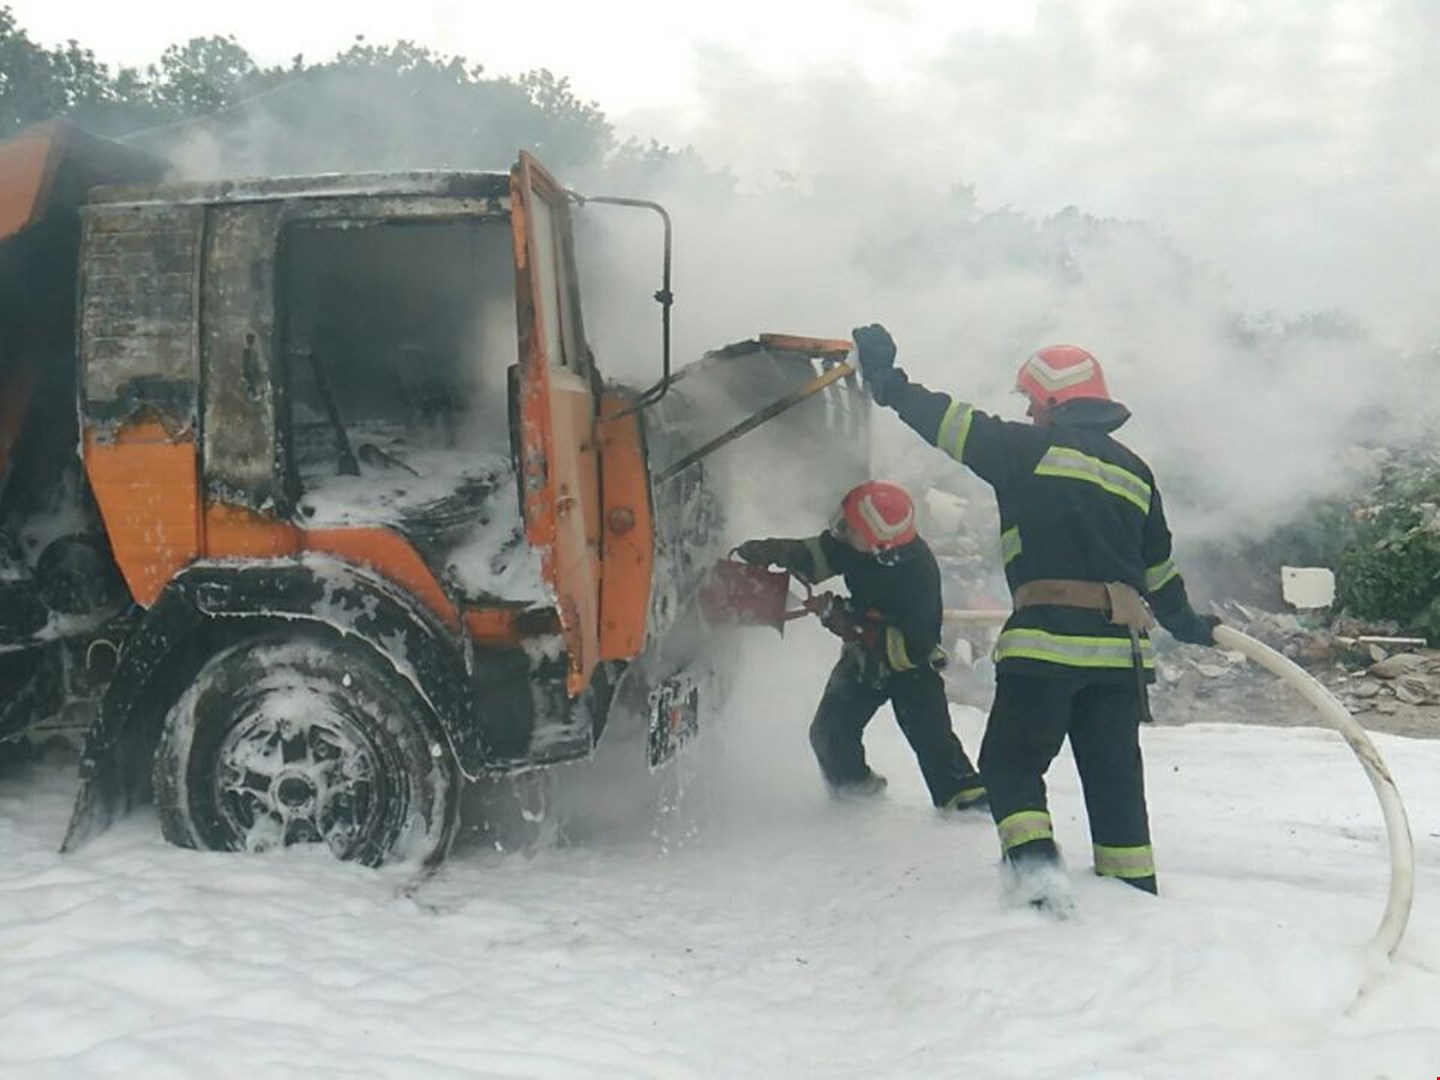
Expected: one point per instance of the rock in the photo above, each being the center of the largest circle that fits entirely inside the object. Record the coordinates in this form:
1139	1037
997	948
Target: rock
1417	689
1406	695
1365	689
1397	665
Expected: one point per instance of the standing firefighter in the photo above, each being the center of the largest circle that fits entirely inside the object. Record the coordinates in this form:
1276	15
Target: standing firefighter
890	626
1085	545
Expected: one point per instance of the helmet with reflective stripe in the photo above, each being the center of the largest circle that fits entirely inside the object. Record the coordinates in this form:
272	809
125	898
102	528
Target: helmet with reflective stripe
1060	373
875	517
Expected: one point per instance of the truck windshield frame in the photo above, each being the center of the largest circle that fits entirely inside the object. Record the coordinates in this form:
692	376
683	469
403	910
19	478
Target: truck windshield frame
411	323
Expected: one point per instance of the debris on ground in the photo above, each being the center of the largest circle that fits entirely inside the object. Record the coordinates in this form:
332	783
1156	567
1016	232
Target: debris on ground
1389	680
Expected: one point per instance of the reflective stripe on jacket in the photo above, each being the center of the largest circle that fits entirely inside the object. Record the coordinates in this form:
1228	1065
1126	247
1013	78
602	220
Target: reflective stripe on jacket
1074	504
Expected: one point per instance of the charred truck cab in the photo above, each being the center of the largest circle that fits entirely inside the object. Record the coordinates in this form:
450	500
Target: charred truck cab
383	526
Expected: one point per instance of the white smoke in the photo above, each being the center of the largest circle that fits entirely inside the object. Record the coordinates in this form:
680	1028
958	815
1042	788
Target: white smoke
1176	189
1244	423
1288	142
1247	258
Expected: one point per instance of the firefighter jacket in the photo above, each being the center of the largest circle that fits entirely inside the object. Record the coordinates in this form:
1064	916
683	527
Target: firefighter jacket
1074	503
904	594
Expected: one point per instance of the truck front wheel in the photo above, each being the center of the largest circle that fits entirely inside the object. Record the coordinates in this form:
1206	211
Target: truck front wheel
294	740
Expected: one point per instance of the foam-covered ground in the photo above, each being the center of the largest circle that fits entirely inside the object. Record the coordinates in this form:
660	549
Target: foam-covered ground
753	930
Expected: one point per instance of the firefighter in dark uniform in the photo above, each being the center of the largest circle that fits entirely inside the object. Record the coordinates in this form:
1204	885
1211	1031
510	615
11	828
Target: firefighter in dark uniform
1087	557
890	626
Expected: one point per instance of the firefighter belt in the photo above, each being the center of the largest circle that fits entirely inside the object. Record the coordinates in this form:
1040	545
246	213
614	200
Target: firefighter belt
1121	604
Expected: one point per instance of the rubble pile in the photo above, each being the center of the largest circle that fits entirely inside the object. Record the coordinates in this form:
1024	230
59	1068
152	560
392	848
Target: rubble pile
1370	667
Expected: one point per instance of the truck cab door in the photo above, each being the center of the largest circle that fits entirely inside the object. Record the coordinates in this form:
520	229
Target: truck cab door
556	412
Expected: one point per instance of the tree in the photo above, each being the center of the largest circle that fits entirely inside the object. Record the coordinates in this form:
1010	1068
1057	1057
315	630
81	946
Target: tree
395	106
38	83
204	75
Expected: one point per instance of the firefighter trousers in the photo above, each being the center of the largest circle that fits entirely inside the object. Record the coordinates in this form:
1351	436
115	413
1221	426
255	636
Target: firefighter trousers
1029	720
923	713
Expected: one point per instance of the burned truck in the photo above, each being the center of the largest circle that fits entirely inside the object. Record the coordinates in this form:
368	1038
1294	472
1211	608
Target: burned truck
355	517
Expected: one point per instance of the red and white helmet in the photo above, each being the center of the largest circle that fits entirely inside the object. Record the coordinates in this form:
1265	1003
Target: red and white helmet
875	517
1060	373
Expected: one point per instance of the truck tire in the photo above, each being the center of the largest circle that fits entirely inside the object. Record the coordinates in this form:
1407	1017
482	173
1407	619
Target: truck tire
287	739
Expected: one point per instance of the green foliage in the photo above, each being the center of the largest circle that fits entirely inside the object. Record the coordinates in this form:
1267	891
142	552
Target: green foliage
571	121
37	83
1391	566
203	76
394	106
1383	542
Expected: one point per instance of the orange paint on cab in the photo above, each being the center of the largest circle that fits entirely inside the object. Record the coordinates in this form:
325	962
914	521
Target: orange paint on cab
147	484
629	540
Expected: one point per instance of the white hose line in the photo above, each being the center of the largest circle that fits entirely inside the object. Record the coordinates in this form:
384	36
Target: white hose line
1402	848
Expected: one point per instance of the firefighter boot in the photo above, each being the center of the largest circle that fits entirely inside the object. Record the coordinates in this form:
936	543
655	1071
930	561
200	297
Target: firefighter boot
870	786
1034	874
972	796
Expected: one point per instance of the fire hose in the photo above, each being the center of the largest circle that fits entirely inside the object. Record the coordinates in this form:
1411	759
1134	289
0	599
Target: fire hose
1397	826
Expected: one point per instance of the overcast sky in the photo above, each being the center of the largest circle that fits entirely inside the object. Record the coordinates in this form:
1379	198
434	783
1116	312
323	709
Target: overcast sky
625	53
1295	144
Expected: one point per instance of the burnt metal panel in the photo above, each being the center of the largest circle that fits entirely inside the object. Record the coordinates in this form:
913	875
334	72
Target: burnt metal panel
706	399
325	186
156	334
138	307
244	452
238	349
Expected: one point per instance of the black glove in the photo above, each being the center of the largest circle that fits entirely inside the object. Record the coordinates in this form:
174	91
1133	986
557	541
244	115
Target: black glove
862	628
834	615
786	554
840	617
875	349
1194	628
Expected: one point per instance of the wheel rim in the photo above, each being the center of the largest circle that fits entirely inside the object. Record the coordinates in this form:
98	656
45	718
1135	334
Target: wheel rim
292	776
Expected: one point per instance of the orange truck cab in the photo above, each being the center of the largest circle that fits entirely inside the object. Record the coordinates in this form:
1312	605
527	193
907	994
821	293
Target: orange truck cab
374	523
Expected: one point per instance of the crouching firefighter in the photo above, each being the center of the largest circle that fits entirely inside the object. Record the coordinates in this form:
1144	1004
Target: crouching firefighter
890	627
1087	557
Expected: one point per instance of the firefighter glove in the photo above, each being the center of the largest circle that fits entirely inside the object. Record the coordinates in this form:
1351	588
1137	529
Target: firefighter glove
836	616
786	554
839	617
1195	629
875	349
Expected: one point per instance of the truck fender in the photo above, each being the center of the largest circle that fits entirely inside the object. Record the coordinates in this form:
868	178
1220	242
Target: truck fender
211	606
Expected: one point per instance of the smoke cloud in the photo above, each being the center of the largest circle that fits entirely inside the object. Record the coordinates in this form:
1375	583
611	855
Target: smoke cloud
1228	204
1288	142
